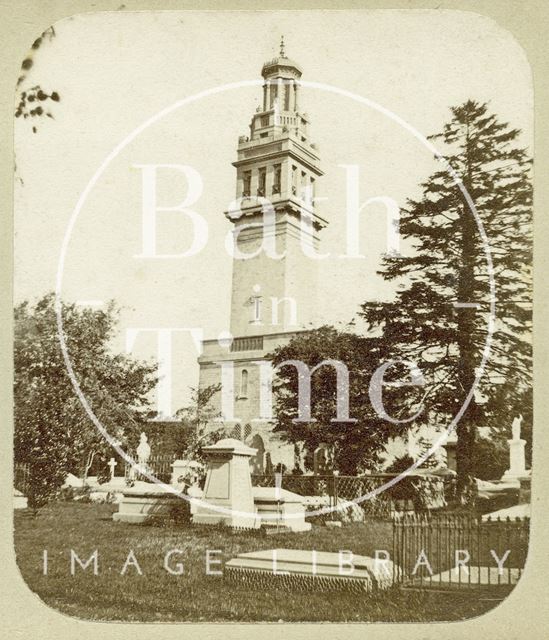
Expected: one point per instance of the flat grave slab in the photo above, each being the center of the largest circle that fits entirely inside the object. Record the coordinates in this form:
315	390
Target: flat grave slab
303	569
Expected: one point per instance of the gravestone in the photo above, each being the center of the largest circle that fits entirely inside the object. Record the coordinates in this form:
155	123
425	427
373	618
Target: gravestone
112	464
306	569
323	460
185	473
19	499
450	447
146	500
143	452
517	461
228	487
143	501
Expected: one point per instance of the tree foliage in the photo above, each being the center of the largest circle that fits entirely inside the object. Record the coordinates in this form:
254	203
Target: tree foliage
448	264
358	443
490	457
34	102
196	419
53	433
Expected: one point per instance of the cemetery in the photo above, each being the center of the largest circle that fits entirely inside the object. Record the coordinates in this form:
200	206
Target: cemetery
276	490
296	538
289	461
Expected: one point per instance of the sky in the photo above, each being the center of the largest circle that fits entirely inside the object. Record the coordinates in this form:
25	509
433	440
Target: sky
115	70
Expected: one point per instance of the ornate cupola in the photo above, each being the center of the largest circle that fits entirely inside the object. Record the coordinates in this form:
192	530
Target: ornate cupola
280	98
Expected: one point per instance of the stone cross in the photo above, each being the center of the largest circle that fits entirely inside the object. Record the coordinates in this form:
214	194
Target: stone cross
112	464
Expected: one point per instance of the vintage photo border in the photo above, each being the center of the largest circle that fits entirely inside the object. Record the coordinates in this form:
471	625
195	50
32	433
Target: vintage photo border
525	613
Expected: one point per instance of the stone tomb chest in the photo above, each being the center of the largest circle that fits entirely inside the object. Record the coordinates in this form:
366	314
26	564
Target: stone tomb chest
305	569
280	510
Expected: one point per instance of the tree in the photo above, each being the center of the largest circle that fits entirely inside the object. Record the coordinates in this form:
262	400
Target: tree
34	102
447	266
196	420
490	457
358	443
53	433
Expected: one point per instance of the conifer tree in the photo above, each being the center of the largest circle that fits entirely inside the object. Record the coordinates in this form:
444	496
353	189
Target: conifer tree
446	266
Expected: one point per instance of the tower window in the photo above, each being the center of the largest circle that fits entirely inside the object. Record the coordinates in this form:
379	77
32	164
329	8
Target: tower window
246	184
262	181
264	121
277	177
243	384
256	309
294	180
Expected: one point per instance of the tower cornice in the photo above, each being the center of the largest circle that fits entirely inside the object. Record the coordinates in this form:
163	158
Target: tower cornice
275	148
251	211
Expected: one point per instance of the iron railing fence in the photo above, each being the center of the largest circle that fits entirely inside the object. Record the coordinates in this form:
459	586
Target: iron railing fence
458	550
159	466
411	493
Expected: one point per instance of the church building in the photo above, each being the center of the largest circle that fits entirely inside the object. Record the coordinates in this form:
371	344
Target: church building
272	298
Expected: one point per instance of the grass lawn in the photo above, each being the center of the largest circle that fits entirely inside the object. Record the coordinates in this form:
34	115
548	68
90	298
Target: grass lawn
195	596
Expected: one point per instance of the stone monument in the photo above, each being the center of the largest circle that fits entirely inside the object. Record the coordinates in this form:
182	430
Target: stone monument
279	510
112	464
229	486
517	461
450	447
308	569
185	473
143	452
146	500
323	460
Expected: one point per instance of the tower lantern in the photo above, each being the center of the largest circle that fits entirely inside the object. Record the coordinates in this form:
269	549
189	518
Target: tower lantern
281	88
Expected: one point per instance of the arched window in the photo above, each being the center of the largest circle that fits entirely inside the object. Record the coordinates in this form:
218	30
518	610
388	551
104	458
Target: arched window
244	384
235	433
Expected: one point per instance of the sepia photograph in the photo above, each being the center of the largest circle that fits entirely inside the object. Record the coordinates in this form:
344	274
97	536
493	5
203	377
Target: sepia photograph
272	306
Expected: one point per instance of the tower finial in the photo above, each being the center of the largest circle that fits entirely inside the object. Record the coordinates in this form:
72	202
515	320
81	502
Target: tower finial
282	54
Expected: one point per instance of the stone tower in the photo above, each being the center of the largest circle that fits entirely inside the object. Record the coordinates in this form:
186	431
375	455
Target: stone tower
273	291
278	162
